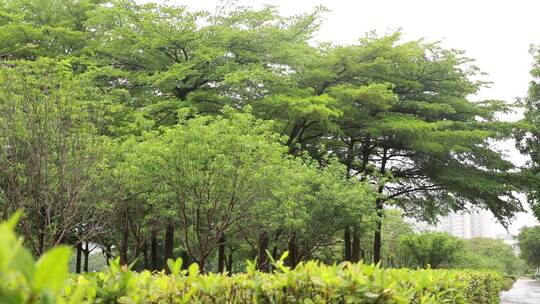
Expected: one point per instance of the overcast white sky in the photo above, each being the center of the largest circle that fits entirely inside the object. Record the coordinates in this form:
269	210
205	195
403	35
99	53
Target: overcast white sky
496	33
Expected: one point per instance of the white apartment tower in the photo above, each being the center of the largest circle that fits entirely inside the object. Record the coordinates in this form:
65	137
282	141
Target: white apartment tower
467	224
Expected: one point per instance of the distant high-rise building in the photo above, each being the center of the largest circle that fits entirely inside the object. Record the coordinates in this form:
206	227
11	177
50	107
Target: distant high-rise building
481	221
466	224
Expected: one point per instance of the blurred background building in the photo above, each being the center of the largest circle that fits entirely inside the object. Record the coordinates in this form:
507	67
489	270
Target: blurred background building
467	224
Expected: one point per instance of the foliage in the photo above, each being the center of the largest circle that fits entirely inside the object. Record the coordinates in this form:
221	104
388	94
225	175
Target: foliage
397	114
508	281
50	153
393	229
528	134
489	254
430	249
529	245
213	176
310	282
24	281
136	125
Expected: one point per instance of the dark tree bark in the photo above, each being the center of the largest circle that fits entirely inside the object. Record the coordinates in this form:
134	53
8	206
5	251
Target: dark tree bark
292	260
153	250
230	262
347	244
169	243
108	254
86	252
262	259
124	247
78	259
43	222
379	205
145	255
355	254
377	237
221	254
185	259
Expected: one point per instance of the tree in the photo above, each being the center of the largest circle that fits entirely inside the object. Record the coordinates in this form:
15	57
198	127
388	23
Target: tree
205	175
394	227
49	155
401	120
168	57
529	245
489	254
527	136
309	205
31	29
154	85
430	249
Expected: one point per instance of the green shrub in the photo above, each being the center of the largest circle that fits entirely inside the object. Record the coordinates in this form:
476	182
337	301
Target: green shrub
22	280
508	281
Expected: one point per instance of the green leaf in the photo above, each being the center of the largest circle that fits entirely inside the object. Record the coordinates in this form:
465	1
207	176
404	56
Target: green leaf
13	220
175	266
193	269
284	256
24	262
52	270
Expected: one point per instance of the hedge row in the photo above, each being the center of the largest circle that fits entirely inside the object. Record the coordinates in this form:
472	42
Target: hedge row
22	280
308	283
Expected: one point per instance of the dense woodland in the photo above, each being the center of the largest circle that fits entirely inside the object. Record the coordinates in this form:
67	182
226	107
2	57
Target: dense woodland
149	132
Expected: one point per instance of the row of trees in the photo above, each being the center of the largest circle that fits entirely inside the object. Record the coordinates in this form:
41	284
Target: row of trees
153	131
405	247
440	250
211	182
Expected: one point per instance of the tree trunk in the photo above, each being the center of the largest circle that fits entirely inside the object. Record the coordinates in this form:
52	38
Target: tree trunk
124	248
78	260
169	242
41	233
379	204
153	250
377	244
86	254
108	253
221	254
355	253
145	255
230	262
185	259
347	243
202	263
262	260
293	252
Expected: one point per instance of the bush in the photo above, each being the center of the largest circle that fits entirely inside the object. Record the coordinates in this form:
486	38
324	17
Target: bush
308	283
508	281
47	281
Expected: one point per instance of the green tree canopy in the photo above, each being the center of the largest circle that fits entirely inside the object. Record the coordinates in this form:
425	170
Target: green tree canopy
155	85
529	245
529	133
49	153
489	254
402	119
430	249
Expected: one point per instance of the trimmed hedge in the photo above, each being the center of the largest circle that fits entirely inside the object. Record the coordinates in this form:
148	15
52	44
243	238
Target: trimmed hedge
22	280
308	283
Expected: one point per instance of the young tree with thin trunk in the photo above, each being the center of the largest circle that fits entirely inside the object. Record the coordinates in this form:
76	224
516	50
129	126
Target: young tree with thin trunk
210	171
49	154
